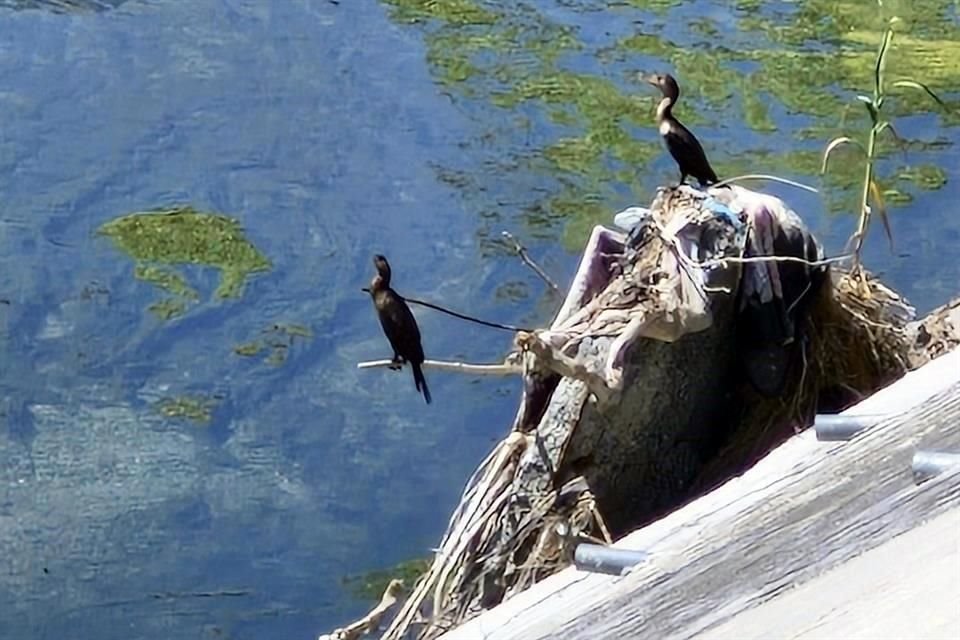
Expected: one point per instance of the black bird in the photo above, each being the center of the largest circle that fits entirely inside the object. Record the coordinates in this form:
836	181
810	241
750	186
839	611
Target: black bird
398	324
682	145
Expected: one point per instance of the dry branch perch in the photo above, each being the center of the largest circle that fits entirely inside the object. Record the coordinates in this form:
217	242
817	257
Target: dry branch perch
506	368
370	622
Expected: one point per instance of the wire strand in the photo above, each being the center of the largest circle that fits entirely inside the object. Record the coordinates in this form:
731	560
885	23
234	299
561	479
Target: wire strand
455	314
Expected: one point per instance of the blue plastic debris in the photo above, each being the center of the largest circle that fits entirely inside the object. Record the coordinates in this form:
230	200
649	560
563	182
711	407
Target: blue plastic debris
723	211
631	217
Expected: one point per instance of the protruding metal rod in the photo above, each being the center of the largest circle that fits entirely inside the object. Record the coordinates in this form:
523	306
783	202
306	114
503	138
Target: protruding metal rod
927	464
599	559
831	428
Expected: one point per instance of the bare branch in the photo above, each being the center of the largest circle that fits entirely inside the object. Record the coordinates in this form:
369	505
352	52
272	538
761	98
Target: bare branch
810	263
527	260
371	621
555	360
506	368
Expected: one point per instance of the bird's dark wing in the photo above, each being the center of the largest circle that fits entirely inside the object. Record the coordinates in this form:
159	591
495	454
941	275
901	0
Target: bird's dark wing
690	156
400	326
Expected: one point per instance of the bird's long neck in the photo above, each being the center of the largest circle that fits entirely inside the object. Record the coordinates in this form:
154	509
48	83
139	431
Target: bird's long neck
379	283
665	109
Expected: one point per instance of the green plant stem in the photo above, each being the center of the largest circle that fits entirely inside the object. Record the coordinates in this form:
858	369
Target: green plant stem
865	197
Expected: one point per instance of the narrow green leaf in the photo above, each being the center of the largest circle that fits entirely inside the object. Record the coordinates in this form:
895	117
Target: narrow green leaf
886	125
881	61
912	84
881	207
836	142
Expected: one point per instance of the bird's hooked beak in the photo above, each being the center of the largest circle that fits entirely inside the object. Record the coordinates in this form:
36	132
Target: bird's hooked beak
651	78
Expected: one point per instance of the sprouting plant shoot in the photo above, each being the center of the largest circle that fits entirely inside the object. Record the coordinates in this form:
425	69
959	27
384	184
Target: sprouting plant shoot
871	197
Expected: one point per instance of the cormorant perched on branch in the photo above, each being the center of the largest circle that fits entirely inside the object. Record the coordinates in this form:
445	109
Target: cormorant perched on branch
682	145
398	324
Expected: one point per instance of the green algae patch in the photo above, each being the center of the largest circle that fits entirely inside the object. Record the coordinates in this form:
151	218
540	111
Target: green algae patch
168	308
460	12
788	73
249	349
161	239
196	409
275	341
371	585
928	177
166	279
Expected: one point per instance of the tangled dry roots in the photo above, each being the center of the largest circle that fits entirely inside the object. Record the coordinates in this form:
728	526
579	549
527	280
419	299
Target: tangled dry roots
857	343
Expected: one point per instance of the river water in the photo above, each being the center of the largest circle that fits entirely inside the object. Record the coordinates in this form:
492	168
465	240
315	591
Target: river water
176	463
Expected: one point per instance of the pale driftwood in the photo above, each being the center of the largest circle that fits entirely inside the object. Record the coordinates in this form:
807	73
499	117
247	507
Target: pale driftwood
507	368
371	621
806	508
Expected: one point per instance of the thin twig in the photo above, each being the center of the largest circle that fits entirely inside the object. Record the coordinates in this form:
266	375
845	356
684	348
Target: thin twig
527	260
810	263
684	259
450	312
502	369
763	176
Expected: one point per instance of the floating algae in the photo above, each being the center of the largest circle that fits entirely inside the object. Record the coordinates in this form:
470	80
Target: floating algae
166	279
278	339
197	409
181	235
168	308
249	349
788	77
369	586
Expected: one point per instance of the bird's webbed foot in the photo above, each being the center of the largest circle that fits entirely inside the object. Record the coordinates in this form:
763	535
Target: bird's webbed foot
397	363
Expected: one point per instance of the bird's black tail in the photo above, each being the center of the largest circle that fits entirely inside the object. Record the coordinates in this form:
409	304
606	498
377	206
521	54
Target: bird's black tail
420	381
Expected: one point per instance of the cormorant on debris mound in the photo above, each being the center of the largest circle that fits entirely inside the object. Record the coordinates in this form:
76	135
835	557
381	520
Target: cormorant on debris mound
682	145
398	324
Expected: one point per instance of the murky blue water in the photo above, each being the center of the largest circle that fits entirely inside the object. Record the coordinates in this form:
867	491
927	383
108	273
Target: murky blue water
321	128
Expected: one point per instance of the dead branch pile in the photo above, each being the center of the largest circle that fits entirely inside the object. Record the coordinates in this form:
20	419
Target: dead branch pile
632	402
